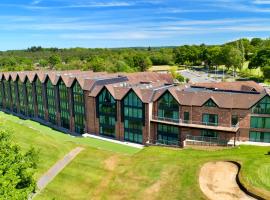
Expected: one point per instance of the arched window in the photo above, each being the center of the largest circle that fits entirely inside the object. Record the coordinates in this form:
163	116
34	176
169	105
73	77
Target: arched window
64	105
78	107
168	108
50	90
133	118
107	113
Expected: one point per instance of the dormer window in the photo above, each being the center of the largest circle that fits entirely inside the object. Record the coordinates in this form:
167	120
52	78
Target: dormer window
210	103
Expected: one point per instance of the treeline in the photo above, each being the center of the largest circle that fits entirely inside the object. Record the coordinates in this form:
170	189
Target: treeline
232	55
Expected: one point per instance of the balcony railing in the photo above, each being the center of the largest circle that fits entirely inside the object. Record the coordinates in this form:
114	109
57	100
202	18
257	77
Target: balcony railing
198	124
162	142
205	141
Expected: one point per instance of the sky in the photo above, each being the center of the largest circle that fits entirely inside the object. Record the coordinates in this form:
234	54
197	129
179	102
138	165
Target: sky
129	23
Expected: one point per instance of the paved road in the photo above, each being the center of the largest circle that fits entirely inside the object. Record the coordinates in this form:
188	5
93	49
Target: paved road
197	77
57	168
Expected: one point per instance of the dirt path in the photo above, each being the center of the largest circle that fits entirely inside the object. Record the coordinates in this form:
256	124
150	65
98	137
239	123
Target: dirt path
218	181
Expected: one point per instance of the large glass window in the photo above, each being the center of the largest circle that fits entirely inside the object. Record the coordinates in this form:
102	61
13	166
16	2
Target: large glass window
259	136
30	99
210	119
64	105
40	100
106	113
262	107
133	118
79	111
168	108
167	134
209	133
51	101
22	97
260	122
7	94
14	95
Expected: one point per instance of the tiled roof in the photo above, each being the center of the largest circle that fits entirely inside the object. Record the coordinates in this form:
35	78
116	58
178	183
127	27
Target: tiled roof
222	99
90	80
245	86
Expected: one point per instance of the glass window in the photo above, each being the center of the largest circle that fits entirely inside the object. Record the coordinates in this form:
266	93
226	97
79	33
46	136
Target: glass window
14	95
234	121
2	94
40	98
107	113
133	118
64	105
168	108
209	133
260	122
262	107
167	134
22	97
210	119
210	103
79	111
259	136
7	94
186	117
30	99
51	101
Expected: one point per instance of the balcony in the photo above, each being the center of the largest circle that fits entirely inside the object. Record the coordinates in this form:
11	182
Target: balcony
196	124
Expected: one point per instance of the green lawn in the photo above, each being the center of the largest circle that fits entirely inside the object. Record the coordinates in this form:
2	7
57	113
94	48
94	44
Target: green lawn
111	171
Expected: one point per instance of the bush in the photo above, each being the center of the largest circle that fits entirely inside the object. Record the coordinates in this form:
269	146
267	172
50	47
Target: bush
16	169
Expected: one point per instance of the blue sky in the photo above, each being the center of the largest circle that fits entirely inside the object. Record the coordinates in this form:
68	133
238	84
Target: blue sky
124	23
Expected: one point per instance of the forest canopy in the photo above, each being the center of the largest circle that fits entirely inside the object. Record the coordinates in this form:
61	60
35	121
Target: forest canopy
232	55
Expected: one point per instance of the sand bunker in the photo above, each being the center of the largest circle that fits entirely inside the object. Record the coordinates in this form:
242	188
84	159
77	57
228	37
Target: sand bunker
218	181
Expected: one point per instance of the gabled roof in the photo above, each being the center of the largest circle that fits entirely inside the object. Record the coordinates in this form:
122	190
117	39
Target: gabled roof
212	100
244	86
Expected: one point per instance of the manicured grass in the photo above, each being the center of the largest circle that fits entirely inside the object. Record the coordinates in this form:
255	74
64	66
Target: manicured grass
153	173
109	171
52	145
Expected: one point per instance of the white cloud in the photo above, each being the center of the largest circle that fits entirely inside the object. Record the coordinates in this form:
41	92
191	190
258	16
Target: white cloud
261	2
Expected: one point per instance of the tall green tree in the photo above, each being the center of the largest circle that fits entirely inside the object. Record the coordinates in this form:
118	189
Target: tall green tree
260	59
54	60
232	57
142	62
16	169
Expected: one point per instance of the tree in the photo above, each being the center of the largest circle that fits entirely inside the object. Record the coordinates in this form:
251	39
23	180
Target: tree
256	42
231	57
212	56
97	64
176	75
266	72
261	59
43	63
16	169
54	60
121	66
142	62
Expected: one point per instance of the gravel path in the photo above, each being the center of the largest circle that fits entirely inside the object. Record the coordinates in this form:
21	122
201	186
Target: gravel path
58	167
218	181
